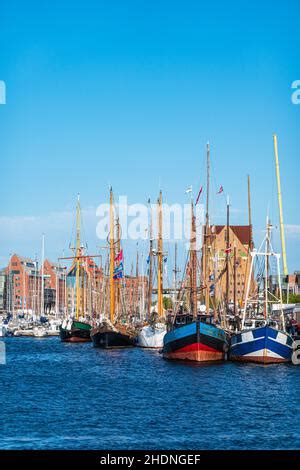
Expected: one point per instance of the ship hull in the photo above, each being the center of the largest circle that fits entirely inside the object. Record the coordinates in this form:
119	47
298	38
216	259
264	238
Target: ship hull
195	342
106	338
263	345
152	337
78	333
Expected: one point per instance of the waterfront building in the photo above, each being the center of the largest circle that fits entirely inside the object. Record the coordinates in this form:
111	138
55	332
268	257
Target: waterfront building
23	285
240	239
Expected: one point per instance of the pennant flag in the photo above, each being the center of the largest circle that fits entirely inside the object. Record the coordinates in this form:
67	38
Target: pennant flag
188	190
119	256
118	268
118	275
148	259
220	190
165	260
228	250
199	194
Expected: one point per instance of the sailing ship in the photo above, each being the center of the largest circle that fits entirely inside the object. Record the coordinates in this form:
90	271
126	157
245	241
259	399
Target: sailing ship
262	339
151	335
111	332
194	336
76	330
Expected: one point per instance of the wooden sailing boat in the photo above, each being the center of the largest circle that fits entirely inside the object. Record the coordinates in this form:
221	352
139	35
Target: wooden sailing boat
193	336
152	334
76	330
111	332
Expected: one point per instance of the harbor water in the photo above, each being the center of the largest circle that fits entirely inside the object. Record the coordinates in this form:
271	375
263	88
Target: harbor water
71	396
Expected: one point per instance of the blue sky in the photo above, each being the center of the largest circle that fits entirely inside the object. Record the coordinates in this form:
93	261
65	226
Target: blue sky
127	93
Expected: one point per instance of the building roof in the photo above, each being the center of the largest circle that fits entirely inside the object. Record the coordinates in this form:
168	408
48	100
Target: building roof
242	232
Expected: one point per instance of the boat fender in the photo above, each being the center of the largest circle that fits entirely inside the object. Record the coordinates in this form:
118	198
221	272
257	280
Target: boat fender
296	353
296	344
225	347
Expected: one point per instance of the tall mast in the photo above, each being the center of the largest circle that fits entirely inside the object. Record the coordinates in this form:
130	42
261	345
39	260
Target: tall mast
160	259
207	230
251	244
78	252
227	255
193	263
284	261
175	271
234	279
267	268
150	280
42	275
111	259
118	289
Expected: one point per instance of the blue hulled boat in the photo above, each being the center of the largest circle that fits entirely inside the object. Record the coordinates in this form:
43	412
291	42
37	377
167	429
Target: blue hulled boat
264	344
195	340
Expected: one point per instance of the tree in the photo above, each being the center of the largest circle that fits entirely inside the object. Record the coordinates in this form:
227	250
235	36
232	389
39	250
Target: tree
167	303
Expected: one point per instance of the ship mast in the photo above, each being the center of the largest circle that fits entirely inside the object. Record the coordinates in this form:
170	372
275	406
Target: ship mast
160	260
284	261
267	268
193	263
111	258
42	277
150	280
118	287
227	256
207	230
251	244
78	253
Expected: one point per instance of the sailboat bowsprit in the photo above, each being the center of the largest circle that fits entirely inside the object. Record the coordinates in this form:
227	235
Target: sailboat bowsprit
199	340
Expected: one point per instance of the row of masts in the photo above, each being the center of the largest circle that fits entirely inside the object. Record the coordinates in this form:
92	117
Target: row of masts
207	248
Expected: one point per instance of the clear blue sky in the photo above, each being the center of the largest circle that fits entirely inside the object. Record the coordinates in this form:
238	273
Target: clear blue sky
128	93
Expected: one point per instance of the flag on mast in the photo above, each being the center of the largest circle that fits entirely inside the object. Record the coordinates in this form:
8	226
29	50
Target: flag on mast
199	194
220	190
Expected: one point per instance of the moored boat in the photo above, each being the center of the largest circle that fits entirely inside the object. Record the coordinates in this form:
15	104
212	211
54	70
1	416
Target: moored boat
108	336
264	344
114	332
195	340
152	336
262	339
74	331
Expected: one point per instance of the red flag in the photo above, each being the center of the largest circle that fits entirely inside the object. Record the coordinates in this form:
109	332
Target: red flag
119	256
199	194
228	250
220	190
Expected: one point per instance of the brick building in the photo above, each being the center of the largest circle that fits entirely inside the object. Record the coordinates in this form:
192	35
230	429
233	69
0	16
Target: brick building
23	285
240	238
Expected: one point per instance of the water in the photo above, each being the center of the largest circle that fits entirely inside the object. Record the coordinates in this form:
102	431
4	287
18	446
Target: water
71	396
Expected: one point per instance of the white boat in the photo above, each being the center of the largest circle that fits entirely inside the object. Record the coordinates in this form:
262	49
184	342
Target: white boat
3	330
39	332
23	332
152	336
53	328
